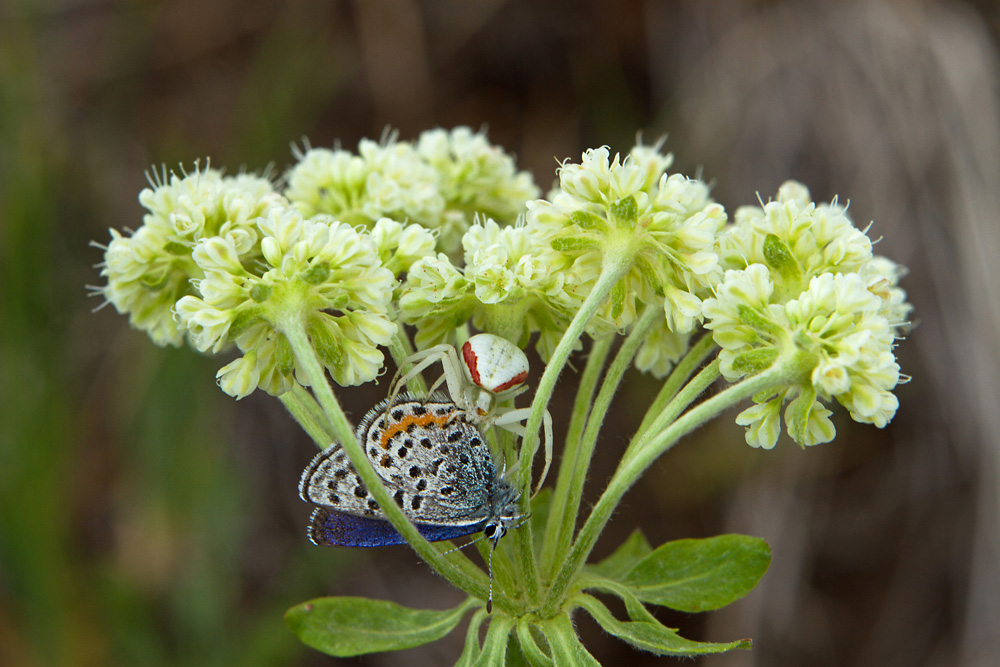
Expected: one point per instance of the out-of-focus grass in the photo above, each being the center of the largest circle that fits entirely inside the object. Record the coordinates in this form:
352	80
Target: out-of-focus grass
127	534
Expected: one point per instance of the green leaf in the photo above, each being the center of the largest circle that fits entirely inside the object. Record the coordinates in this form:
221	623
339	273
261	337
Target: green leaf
651	635
699	575
495	644
625	557
349	626
567	651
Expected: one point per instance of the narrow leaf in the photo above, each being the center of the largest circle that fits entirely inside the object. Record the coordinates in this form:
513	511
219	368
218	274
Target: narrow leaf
651	635
699	575
470	654
567	651
495	644
532	651
349	626
624	558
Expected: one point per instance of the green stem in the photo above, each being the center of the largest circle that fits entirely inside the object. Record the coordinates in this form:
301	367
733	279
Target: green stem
467	577
630	470
574	434
563	535
685	397
400	349
682	371
611	273
304	409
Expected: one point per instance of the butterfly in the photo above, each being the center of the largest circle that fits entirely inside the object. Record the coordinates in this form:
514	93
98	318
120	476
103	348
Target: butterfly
435	463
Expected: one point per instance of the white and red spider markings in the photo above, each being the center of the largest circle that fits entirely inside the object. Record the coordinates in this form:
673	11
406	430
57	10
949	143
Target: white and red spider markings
491	371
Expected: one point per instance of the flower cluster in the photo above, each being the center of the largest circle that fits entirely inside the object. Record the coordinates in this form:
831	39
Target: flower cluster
506	287
421	233
318	272
807	285
149	270
441	182
657	230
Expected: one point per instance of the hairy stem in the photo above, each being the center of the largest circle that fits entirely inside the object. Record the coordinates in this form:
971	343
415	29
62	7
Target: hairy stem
585	449
304	409
611	273
631	469
574	434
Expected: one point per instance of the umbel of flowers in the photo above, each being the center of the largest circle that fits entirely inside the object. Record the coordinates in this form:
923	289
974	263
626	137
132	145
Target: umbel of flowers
315	279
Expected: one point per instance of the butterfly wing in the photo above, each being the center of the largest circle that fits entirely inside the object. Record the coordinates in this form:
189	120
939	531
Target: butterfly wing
330	528
437	464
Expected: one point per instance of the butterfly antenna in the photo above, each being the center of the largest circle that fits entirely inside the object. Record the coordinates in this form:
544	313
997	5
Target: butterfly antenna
489	567
445	553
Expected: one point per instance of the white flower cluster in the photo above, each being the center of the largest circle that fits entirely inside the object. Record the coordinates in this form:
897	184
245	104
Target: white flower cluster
507	287
149	270
441	182
318	271
421	233
807	284
662	226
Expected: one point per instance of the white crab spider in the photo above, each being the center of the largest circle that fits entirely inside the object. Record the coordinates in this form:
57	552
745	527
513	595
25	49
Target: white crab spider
491	369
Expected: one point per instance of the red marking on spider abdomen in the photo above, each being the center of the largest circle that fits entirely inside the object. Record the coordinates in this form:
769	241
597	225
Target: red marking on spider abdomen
513	382
472	363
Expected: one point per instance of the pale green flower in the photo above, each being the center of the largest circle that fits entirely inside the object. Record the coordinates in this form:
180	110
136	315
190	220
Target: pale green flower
796	238
837	323
661	350
149	270
507	287
387	179
476	178
441	183
628	211
319	272
437	299
399	246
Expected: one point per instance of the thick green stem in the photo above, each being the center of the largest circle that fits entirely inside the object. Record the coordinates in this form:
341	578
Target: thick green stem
574	434
685	397
466	576
304	409
630	470
682	371
611	273
401	349
563	534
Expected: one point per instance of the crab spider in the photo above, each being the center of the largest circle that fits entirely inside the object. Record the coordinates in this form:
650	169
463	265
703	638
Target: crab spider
491	369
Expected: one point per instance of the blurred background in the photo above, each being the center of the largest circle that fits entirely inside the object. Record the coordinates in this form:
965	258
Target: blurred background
147	519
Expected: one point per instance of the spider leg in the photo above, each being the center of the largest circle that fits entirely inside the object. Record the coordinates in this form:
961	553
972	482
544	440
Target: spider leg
511	421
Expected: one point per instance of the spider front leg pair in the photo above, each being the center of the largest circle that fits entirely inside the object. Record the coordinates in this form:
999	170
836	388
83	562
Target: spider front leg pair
491	370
